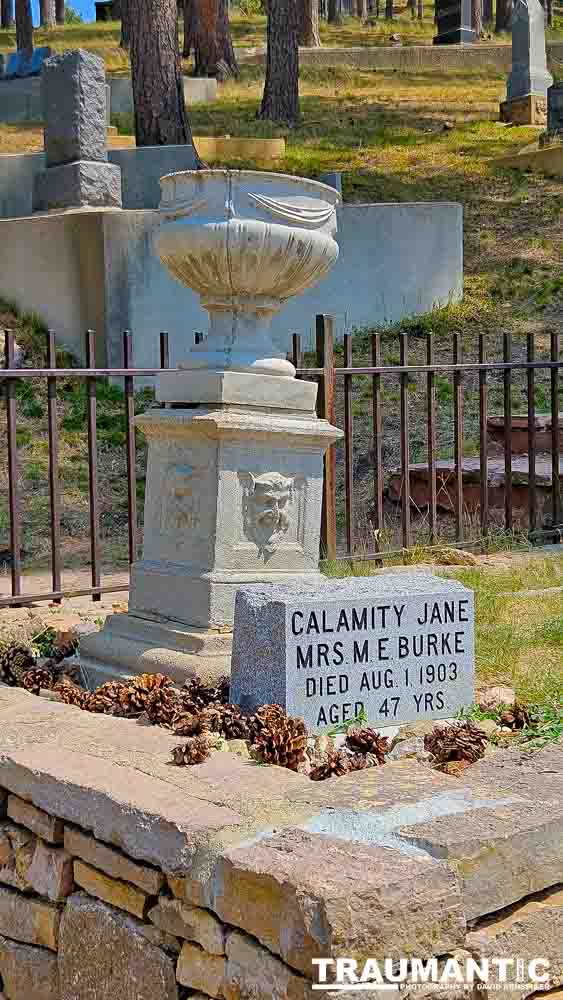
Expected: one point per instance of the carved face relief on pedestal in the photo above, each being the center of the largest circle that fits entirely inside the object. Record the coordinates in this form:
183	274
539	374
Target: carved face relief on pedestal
180	505
266	510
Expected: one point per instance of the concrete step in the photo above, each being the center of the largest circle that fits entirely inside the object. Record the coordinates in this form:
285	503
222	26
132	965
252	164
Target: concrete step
519	444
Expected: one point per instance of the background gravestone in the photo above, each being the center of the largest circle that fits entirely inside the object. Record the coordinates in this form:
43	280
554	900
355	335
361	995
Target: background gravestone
529	79
555	109
454	22
399	647
74	107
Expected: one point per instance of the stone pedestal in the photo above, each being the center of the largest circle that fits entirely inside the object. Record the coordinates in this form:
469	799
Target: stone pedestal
530	110
234	494
453	20
529	79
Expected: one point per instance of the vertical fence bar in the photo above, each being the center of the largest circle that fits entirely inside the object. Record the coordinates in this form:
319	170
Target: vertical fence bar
93	463
483	436
54	485
531	390
405	451
377	440
164	350
555	433
13	499
130	447
349	447
326	410
507	379
431	436
458	438
296	353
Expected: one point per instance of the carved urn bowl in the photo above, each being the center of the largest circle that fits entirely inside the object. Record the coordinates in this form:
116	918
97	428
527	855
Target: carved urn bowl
245	241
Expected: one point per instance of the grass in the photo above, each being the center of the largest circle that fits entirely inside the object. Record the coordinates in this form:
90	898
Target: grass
519	639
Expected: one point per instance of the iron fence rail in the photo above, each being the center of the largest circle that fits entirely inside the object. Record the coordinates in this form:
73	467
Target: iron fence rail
331	378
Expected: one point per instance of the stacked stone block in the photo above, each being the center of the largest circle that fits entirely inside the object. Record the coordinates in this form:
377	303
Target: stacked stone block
428	866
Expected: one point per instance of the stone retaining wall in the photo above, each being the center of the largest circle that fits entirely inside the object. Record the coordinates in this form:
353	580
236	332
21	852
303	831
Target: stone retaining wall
124	877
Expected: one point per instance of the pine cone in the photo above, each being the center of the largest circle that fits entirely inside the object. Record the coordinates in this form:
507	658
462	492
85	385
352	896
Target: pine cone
14	662
190	724
202	695
71	694
368	740
454	767
334	764
517	716
462	741
162	706
36	678
106	700
194	751
66	645
284	743
265	718
227	720
359	761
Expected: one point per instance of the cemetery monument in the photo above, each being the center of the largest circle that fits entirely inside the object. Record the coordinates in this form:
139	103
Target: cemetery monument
454	22
529	79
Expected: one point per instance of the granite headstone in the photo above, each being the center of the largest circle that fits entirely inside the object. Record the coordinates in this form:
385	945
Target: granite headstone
529	79
399	647
453	22
74	105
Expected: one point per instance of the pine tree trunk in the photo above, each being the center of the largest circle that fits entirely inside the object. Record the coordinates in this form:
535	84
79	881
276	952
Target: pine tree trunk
24	28
280	102
7	13
47	13
225	42
125	40
477	17
504	11
420	10
549	13
362	10
309	24
487	11
190	27
334	15
389	10
60	11
210	36
158	91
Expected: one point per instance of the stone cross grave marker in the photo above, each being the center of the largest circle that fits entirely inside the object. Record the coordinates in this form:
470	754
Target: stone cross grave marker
398	647
73	89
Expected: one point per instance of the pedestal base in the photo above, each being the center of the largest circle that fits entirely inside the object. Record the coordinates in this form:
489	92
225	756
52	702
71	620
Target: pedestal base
530	110
130	644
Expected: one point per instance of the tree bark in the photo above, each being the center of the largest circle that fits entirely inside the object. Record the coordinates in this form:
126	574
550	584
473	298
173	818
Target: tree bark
24	28
487	11
309	35
60	11
158	91
125	40
389	10
549	13
477	17
361	10
504	11
207	31
280	102
47	13
7	13
420	10
334	15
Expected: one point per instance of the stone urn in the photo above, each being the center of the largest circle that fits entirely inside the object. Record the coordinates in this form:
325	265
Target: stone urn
245	241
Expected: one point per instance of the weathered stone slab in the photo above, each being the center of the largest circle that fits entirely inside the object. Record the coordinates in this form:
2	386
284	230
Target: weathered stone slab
110	890
31	921
28	973
112	862
104	953
25	814
201	971
189	922
528	930
81	184
50	873
500	853
252	971
538	776
398	646
73	91
17	847
310	896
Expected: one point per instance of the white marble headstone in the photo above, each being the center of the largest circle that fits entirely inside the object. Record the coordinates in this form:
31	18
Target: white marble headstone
399	647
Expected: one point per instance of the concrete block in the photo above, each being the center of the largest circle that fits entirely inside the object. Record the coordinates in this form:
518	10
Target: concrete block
74	107
25	814
78	185
196	91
